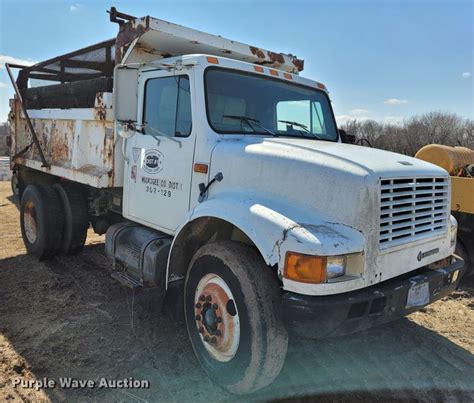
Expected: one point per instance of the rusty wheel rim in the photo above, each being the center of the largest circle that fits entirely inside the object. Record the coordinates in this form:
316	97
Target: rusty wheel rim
30	222
217	317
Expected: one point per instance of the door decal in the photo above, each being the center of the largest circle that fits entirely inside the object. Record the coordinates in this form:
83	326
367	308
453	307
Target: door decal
153	161
136	153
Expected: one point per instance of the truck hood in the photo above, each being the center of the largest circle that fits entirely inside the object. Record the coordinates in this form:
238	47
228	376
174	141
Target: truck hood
355	159
336	181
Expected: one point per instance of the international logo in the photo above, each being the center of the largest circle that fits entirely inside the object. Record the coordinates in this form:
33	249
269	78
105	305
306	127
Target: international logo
153	161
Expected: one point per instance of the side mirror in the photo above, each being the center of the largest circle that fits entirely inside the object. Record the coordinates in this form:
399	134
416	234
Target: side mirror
347	138
126	129
125	93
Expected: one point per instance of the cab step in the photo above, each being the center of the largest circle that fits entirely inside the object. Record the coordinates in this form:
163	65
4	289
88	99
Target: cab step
126	279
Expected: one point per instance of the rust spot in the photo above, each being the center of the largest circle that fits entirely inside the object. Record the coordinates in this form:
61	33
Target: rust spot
128	32
299	64
58	140
144	49
100	112
99	100
276	57
257	52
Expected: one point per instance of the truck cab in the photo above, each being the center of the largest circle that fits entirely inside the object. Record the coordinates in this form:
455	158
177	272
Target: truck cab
215	137
219	174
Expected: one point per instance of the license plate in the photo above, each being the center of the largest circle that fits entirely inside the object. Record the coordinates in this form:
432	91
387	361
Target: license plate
418	295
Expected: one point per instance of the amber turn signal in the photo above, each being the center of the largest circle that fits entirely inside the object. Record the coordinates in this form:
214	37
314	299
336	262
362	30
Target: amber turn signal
305	268
201	168
212	60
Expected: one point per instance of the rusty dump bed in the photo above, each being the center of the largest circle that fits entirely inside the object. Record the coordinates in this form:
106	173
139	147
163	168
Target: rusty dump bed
73	117
78	144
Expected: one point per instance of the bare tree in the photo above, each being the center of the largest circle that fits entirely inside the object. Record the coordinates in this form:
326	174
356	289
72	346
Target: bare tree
416	132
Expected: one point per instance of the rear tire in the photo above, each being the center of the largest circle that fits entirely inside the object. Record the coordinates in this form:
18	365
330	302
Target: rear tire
17	185
76	221
231	316
41	221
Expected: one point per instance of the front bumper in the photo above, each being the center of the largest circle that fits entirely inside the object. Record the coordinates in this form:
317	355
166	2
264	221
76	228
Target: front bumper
333	315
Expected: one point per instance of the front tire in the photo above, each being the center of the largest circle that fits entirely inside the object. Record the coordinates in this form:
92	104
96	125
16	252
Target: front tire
462	251
231	317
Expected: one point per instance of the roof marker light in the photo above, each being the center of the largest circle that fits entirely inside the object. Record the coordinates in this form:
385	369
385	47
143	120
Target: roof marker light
274	72
288	76
321	86
258	69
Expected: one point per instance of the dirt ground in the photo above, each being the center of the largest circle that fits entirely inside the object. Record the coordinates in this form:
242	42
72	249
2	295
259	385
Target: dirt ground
67	318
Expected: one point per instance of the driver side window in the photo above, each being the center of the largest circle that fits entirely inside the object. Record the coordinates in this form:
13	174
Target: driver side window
167	107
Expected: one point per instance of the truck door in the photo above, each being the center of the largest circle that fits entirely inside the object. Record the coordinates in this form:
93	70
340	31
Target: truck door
159	158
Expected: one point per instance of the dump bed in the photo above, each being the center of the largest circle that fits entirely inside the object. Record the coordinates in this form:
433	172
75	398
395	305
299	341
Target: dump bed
78	144
73	118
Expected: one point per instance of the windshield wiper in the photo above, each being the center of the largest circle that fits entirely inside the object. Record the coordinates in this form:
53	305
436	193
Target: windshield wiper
304	127
249	121
295	124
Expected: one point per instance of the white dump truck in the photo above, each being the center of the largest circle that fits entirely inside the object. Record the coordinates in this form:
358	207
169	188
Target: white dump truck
218	172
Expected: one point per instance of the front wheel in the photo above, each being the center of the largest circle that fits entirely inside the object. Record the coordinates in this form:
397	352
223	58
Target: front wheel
231	317
462	251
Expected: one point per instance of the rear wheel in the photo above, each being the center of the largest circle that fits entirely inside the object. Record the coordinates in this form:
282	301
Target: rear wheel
76	221
17	185
41	221
231	317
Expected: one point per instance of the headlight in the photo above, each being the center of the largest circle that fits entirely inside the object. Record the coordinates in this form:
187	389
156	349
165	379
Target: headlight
453	231
336	266
313	269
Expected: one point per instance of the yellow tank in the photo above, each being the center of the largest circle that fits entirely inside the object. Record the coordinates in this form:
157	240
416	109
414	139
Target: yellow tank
449	158
453	159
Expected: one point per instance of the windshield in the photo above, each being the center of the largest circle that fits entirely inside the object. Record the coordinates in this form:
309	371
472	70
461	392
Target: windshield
239	102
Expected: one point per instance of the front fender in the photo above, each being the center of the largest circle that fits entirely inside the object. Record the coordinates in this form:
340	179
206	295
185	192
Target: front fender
276	228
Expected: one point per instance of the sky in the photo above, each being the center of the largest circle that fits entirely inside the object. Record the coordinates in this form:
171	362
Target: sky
385	60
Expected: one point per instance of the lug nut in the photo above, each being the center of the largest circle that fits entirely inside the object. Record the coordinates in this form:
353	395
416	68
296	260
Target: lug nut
218	319
201	330
207	339
214	306
198	305
197	317
208	298
213	340
202	298
218	332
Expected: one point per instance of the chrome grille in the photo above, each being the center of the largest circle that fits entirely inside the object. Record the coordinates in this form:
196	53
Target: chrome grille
412	208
